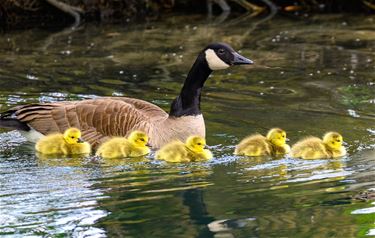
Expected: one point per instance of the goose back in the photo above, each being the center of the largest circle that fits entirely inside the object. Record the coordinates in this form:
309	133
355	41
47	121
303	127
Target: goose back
98	119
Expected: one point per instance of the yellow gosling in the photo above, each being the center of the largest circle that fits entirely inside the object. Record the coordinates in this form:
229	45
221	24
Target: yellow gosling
257	145
315	148
69	143
192	150
118	147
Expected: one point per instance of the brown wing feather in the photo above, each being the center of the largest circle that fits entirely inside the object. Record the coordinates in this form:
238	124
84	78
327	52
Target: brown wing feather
96	118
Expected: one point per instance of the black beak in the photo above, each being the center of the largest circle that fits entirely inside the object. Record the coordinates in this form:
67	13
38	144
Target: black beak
148	144
79	140
239	59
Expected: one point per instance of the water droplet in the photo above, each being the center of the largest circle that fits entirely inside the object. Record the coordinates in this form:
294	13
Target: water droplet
31	77
353	113
66	52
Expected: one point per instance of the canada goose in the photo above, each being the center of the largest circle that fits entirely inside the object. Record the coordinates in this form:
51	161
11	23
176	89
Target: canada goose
315	148
257	145
177	151
69	143
133	146
104	117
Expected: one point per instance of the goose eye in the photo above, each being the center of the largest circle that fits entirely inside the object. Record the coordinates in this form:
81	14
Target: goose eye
199	143
142	139
72	137
221	51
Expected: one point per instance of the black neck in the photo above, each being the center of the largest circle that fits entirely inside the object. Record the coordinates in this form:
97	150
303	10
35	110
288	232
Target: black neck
188	102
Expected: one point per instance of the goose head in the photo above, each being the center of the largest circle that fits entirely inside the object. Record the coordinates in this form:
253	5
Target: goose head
215	56
333	140
222	56
277	137
72	136
195	144
138	138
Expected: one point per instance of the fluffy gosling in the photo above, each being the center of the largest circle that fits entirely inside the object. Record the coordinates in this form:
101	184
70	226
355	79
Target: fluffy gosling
191	150
69	143
315	148
133	146
257	145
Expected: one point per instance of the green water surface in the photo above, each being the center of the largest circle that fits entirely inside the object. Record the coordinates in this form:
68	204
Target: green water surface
310	76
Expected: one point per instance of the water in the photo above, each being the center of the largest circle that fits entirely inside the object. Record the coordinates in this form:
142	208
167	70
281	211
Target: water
310	77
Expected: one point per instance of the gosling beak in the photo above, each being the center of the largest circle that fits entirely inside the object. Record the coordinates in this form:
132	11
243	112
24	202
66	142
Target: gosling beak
79	140
239	59
148	144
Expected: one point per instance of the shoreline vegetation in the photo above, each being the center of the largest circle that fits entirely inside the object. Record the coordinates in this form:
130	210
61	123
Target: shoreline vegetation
20	14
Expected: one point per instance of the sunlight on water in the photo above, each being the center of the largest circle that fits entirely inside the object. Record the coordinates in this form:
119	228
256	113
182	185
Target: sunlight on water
309	78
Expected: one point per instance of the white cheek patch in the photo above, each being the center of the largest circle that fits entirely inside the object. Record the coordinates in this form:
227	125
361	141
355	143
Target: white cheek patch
214	62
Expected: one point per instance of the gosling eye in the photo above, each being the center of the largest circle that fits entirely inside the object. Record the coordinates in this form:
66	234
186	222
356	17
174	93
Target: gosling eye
221	51
338	140
283	136
142	139
199	143
72	137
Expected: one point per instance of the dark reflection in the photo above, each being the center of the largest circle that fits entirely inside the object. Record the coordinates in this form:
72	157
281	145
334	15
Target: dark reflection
194	200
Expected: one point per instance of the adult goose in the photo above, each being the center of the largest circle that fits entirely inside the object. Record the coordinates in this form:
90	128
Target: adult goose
100	118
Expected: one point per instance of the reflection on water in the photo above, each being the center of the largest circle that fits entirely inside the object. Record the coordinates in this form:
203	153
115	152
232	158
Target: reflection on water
309	77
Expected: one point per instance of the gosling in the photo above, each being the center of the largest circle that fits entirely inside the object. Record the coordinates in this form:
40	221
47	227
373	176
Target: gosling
315	148
192	150
118	147
257	145
69	143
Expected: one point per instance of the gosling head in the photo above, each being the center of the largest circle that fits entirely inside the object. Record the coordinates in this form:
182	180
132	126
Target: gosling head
222	56
196	144
138	138
277	136
73	136
333	140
